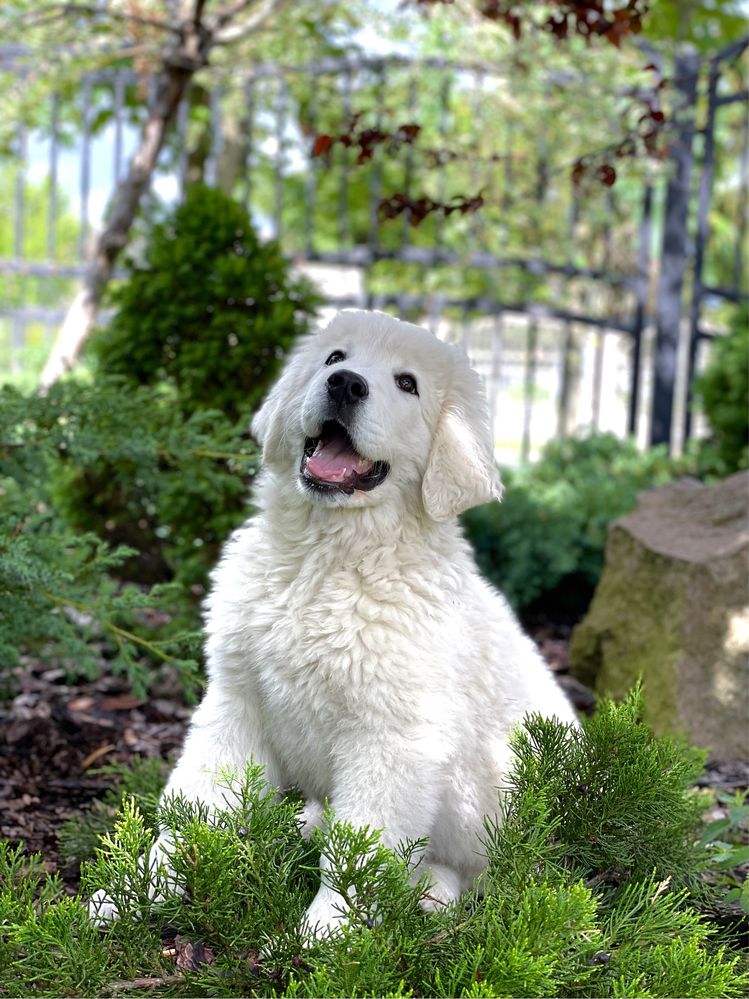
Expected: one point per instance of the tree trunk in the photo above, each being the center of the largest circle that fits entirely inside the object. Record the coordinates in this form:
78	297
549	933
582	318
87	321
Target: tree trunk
172	83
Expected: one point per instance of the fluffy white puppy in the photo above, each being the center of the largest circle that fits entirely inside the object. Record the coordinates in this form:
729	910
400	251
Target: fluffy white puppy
353	649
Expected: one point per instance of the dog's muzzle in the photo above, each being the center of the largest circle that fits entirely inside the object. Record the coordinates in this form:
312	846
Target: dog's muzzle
330	463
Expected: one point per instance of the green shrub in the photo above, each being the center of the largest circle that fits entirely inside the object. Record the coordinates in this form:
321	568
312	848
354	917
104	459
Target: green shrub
548	535
209	309
143	781
61	585
723	391
555	917
140	473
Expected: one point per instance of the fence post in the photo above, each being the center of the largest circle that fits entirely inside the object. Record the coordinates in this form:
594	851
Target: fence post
668	311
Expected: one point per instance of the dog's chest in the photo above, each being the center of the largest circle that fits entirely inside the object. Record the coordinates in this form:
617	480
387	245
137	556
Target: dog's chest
343	647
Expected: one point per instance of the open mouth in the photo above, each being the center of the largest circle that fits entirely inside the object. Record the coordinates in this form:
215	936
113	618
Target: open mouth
331	463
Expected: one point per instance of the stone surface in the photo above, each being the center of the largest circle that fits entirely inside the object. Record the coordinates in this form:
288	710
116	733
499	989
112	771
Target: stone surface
672	607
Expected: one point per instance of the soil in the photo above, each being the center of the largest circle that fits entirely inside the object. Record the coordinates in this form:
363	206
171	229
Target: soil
55	733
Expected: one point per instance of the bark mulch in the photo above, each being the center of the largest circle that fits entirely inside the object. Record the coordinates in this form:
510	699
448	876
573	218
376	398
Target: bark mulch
55	733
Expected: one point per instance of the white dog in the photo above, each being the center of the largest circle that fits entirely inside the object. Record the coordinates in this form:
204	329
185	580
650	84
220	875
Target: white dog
352	647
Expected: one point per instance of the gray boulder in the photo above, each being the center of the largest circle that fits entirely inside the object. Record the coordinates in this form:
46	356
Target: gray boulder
672	607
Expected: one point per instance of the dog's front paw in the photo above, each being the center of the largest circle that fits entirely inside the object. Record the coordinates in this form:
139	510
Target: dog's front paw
102	909
444	888
156	867
326	915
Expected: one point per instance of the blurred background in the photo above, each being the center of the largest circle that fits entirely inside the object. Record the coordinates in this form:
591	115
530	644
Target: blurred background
528	181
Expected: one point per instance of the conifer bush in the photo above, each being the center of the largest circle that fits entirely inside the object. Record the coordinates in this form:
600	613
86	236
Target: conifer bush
723	390
66	593
141	473
206	307
546	540
589	892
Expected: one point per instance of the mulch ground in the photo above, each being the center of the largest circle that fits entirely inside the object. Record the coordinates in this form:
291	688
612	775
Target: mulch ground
54	734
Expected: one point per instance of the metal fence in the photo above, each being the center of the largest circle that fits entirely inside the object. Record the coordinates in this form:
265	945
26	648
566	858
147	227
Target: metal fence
580	310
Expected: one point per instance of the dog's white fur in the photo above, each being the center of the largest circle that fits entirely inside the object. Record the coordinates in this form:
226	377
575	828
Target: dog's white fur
352	648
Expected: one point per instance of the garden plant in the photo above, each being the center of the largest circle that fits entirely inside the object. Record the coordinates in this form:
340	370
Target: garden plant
596	887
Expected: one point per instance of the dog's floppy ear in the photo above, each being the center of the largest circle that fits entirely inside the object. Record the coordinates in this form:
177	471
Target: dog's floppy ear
268	425
461	471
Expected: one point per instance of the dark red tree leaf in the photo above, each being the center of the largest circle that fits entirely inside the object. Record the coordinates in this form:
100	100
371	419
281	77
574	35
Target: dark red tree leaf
578	172
322	144
611	21
606	174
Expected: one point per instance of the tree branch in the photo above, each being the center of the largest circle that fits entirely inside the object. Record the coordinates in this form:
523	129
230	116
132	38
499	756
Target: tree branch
59	10
239	32
227	15
197	17
171	87
115	988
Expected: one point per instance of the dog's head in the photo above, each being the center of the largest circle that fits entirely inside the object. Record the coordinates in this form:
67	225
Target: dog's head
373	410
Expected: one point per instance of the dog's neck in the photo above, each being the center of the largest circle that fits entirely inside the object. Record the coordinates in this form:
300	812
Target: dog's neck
299	519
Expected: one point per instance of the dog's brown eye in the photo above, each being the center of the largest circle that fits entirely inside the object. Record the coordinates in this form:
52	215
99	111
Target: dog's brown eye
406	383
335	357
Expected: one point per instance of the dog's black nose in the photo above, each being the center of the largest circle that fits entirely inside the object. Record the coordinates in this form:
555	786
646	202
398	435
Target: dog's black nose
346	388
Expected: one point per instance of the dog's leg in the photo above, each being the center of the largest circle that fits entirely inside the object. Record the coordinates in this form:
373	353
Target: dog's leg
311	816
444	887
224	734
381	783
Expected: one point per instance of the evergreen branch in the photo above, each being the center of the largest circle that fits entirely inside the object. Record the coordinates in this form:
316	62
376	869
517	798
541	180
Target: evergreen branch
119	633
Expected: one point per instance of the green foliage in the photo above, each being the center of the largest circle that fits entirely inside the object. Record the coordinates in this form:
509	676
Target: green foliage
723	390
543	922
143	782
61	591
595	779
549	532
209	309
727	840
708	26
138	472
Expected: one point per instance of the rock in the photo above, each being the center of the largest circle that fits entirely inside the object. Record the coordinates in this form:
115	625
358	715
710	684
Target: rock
672	607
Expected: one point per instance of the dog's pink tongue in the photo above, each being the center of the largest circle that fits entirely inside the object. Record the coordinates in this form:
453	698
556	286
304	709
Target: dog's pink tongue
336	461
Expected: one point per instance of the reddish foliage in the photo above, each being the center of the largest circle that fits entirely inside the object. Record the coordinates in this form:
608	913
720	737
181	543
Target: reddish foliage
646	138
606	174
417	209
366	139
586	18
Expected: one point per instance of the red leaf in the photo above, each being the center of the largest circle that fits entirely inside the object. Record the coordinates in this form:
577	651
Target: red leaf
408	133
579	170
322	144
606	174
